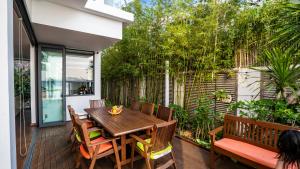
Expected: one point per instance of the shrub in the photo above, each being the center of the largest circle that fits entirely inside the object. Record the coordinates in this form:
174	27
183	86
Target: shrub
181	115
203	119
278	111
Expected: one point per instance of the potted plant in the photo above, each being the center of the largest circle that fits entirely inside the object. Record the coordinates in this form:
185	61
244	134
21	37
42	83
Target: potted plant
221	95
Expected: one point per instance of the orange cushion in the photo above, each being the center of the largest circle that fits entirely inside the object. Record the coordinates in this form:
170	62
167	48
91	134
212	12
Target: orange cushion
249	151
103	147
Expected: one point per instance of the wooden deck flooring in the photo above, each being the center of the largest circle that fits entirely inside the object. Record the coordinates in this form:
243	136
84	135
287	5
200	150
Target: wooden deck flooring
52	151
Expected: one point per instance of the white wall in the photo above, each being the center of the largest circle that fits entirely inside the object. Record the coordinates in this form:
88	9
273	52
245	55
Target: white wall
51	14
33	99
248	84
81	102
7	107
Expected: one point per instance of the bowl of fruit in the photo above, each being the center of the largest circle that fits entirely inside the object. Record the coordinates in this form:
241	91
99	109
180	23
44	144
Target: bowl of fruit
115	110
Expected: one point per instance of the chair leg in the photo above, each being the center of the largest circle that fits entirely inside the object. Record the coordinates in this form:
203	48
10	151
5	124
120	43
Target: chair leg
78	160
71	135
74	145
132	153
148	165
116	154
92	163
212	159
173	157
152	162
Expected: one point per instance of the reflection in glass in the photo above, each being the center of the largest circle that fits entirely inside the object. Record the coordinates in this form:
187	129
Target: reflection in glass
52	85
79	74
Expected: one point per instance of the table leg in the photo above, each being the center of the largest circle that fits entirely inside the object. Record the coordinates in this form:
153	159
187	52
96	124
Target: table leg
123	148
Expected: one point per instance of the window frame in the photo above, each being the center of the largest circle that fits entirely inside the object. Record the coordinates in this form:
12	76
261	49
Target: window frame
81	52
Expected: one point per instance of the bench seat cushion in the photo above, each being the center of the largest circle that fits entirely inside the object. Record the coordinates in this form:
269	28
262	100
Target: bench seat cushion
248	151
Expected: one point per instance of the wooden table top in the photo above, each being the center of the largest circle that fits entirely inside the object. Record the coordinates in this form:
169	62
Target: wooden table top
127	122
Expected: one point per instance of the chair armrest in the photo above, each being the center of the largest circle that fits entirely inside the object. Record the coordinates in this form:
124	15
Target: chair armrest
214	132
140	140
83	115
100	142
94	129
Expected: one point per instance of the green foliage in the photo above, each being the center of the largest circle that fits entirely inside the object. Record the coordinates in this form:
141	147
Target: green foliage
22	83
283	70
197	36
192	36
200	121
108	103
287	28
181	115
269	110
203	118
220	94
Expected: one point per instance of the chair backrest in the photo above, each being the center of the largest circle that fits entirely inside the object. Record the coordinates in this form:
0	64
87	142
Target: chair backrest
162	135
97	103
135	105
148	108
164	113
259	133
81	128
72	114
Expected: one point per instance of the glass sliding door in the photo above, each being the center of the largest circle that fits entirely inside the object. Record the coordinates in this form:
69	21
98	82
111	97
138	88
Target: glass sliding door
51	86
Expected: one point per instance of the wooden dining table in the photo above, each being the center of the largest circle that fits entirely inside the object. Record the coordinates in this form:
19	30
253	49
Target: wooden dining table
127	122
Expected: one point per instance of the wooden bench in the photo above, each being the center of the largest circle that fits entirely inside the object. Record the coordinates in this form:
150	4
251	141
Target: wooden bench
249	141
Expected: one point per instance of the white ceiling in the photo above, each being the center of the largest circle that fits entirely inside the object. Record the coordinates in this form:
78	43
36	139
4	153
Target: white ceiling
114	13
70	38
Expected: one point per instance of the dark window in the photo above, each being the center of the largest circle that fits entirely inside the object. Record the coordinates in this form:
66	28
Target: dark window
79	73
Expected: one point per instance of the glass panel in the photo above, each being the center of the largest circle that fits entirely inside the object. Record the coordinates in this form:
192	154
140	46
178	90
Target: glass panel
114	3
79	74
52	85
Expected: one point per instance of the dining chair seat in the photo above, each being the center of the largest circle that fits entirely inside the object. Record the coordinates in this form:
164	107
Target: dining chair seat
104	147
155	154
93	135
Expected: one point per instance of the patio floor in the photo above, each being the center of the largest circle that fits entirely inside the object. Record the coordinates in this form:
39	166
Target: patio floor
52	151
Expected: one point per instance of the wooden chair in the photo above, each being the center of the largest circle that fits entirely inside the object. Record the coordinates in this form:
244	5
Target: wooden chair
135	105
159	145
97	103
95	149
72	116
72	113
164	113
93	130
148	108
